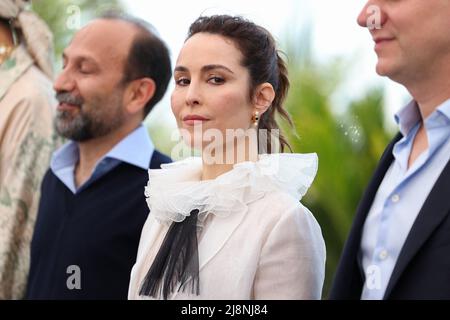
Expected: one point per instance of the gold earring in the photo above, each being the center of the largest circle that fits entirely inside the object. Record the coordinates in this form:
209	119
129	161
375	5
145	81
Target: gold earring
255	118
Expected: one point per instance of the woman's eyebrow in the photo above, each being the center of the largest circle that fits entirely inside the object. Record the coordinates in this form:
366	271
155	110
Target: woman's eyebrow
208	67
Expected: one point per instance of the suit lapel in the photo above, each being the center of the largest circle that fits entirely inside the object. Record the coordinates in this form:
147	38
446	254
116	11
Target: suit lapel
216	235
433	212
362	212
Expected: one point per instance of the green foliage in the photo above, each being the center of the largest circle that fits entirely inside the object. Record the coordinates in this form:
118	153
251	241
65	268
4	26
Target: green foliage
348	146
161	135
65	17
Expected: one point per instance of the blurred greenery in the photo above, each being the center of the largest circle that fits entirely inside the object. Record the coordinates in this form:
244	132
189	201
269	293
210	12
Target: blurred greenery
348	143
162	137
65	17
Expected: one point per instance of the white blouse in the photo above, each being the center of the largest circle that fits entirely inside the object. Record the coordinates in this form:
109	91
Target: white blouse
257	240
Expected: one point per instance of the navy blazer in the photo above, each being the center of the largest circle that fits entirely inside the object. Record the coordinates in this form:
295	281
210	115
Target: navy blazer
422	270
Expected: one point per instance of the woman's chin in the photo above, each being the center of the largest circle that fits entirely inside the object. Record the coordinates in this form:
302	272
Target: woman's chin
197	145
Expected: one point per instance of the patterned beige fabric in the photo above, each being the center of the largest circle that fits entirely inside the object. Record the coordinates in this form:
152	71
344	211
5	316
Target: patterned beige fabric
37	36
26	143
10	9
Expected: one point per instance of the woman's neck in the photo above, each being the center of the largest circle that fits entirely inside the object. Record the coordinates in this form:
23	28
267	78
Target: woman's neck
216	163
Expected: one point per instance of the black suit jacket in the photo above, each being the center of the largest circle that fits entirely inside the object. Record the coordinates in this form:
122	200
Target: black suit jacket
422	270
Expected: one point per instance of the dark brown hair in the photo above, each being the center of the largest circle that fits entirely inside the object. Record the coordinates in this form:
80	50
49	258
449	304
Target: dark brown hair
148	57
261	58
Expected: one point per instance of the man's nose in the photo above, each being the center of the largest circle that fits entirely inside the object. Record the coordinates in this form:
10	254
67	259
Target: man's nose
64	82
372	15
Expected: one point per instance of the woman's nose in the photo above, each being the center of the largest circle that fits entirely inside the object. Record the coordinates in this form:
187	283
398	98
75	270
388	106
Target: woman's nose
193	96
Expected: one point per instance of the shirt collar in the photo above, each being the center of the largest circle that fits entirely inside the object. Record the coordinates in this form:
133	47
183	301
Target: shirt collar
444	109
66	156
136	149
408	117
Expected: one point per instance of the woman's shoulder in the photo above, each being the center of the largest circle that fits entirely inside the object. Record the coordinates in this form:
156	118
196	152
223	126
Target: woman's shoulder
281	219
282	205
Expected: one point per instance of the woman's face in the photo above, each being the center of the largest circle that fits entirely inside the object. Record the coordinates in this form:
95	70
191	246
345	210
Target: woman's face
211	88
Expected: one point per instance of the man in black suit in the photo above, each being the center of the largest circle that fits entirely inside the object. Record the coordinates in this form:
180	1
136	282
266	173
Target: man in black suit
93	207
399	244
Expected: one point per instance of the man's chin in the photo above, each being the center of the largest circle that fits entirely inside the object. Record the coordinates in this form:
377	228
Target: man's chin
76	137
67	115
68	129
394	73
383	69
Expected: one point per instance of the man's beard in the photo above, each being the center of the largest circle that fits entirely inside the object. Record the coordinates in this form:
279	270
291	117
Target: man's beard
83	126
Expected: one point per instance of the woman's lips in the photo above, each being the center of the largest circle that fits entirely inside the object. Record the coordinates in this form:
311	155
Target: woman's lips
192	120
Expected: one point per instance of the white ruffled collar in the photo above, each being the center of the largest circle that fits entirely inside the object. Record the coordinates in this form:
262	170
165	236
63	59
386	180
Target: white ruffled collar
175	190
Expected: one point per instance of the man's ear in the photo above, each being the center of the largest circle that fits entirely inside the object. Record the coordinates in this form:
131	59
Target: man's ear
263	98
138	93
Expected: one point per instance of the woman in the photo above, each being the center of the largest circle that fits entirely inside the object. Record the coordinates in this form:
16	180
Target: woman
229	225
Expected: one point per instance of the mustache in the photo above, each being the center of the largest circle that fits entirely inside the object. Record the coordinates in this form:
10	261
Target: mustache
66	97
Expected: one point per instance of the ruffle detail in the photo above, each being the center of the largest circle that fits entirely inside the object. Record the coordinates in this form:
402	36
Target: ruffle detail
176	189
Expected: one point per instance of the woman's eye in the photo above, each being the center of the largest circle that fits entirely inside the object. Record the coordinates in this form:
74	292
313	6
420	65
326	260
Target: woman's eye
216	80
182	81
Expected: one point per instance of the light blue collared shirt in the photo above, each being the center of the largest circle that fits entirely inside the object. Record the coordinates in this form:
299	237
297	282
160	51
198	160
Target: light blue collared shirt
136	149
402	194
